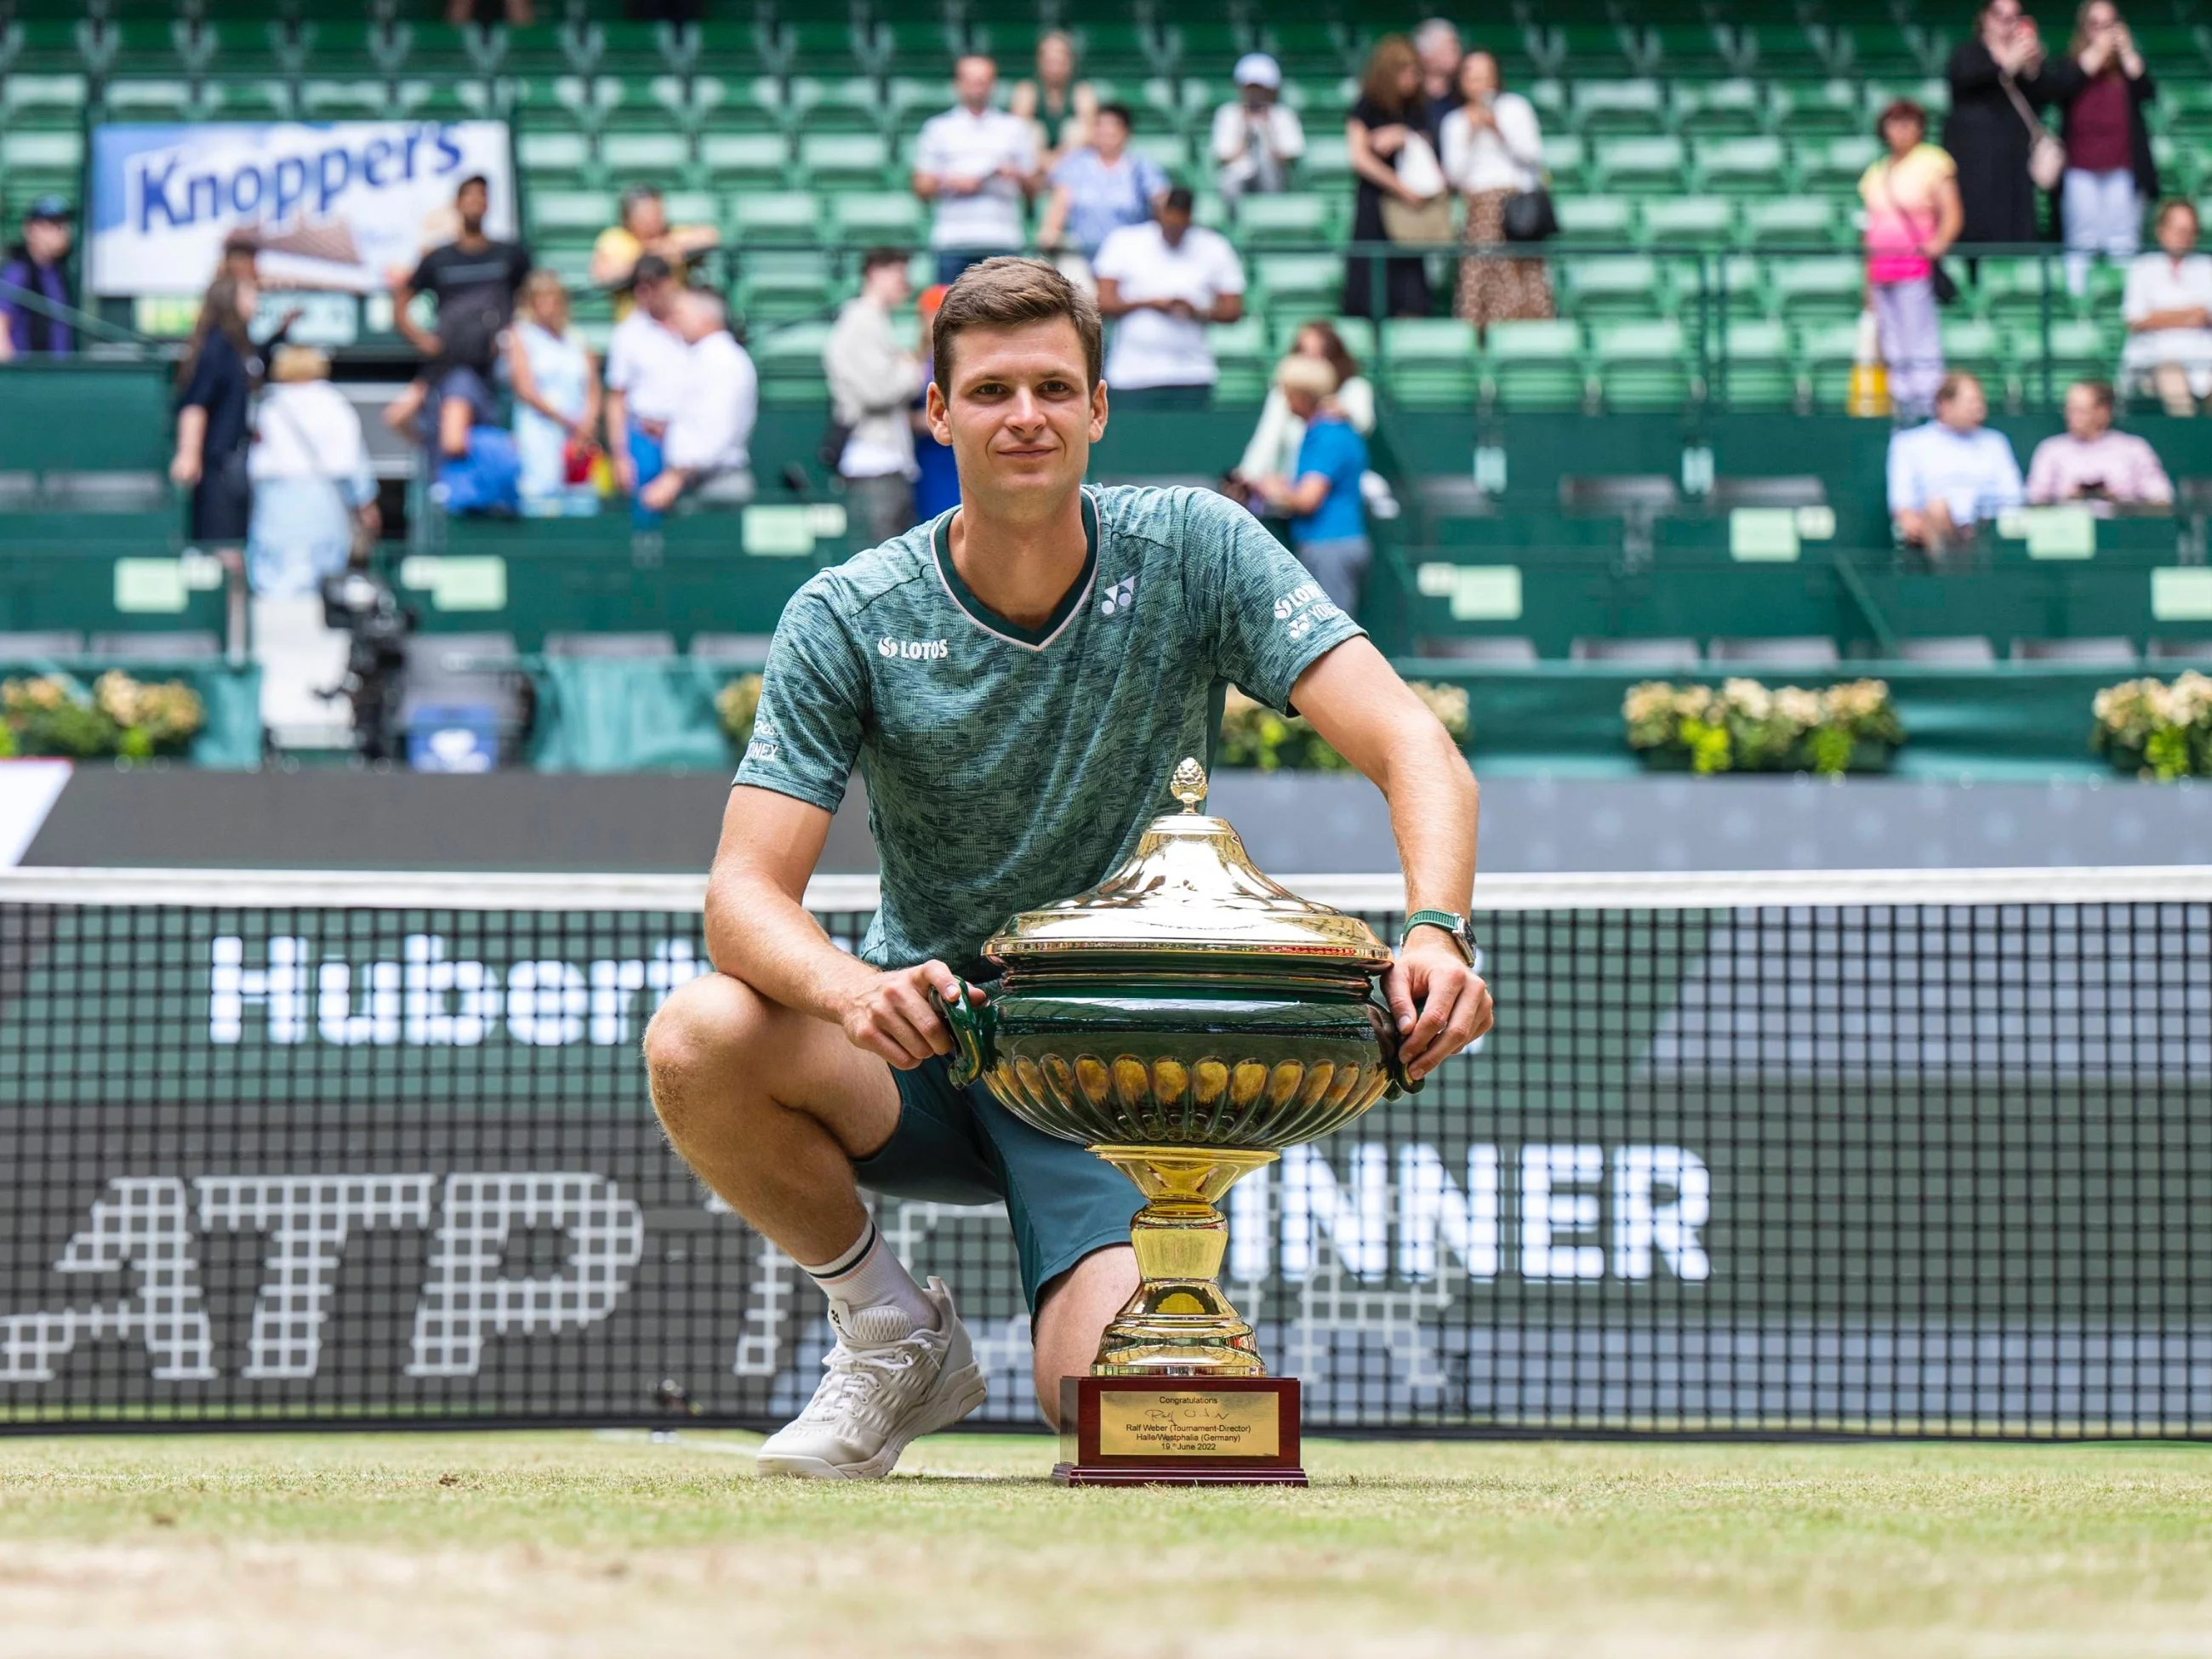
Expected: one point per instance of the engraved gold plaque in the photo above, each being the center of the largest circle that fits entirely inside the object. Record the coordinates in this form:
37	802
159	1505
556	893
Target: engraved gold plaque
1182	1423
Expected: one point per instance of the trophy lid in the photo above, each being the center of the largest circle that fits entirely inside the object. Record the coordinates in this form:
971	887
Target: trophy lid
1189	889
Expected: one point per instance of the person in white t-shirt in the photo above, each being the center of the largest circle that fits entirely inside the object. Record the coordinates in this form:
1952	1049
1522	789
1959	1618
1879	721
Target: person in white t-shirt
2168	307
646	362
709	446
1257	139
979	167
1163	283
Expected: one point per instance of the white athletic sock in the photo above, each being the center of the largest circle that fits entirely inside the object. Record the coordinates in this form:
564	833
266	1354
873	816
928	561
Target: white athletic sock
871	1275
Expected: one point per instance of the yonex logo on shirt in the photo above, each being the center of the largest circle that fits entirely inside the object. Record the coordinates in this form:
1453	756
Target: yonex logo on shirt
1302	594
1122	596
913	650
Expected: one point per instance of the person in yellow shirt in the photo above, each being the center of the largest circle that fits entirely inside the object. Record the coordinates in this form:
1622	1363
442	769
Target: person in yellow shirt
645	229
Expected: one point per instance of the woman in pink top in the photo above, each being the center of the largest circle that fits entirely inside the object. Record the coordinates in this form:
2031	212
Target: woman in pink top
1912	215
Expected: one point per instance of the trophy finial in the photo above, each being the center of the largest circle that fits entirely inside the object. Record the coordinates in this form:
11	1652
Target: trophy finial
1188	784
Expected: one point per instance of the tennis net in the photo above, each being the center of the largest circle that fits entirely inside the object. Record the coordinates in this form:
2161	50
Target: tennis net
1886	1152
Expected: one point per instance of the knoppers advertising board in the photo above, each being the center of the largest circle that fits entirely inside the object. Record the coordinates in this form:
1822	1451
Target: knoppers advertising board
344	204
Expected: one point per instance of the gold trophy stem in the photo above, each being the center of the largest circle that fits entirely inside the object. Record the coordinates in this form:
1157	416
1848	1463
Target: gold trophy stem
1179	1323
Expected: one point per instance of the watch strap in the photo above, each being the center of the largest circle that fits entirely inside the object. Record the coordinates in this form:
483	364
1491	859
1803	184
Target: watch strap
1458	927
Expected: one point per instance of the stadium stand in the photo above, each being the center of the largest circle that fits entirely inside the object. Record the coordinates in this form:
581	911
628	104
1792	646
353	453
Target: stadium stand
1704	156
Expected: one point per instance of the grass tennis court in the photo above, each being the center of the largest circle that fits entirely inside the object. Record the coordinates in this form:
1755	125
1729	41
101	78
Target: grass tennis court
572	1543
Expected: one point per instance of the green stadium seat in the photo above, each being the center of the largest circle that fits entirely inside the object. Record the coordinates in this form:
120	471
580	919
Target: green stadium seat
1604	221
2187	105
1241	355
781	285
1688	221
1328	165
854	104
789	360
48	102
2080	351
553	161
1816	289
1757	373
1534	365
568	218
776	218
1295	219
1599	109
1653	164
1816	110
833	161
1429	362
1741	283
1797	223
1358	334
588	99
1699	49
746	160
1719	109
1305	283
879	217
1781	52
2012	290
344	101
155	100
1976	346
1828	352
1613	287
1836	165
1169	151
909	101
753	104
37	160
1742	166
653	158
1642	366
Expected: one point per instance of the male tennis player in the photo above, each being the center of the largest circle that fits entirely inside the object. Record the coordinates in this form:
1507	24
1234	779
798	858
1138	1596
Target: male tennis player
1016	679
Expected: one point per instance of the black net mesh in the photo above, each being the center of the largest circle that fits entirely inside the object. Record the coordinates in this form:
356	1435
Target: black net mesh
1869	1169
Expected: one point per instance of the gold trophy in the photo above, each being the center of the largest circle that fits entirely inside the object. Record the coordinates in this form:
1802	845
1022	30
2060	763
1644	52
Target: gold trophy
1186	1019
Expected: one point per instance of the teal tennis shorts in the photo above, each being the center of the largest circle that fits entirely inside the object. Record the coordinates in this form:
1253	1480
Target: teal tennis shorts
960	1147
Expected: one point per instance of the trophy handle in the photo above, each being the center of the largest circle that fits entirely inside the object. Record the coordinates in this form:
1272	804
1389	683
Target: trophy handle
973	1049
1386	1032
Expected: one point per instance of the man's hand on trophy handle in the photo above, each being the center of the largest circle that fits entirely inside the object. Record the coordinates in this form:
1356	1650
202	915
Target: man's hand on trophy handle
892	1017
1440	1004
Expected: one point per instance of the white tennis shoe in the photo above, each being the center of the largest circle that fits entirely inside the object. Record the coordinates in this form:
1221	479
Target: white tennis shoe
885	1383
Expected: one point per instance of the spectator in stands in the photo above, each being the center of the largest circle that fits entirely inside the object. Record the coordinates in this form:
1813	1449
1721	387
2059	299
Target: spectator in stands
1492	150
2168	307
1059	108
646	363
709	446
1912	217
1321	492
474	280
936	479
556	400
1273	447
1948	477
1387	130
645	229
2109	170
873	381
214	426
1099	190
1998	79
1164	282
1257	139
313	490
2092	464
1436	43
979	165
34	285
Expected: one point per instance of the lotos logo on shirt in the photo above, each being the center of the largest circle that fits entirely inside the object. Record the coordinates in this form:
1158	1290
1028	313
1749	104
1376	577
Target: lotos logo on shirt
1120	598
913	650
1288	605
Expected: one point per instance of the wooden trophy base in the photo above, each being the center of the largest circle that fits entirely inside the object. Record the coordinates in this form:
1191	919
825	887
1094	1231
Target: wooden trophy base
1179	1431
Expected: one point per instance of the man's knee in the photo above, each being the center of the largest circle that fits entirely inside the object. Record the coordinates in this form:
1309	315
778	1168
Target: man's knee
697	1032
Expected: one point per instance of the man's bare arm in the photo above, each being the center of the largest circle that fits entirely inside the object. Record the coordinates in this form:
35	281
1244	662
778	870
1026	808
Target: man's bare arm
1368	715
758	931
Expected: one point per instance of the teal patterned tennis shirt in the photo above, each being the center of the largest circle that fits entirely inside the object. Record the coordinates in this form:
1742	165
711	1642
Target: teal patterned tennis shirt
1007	766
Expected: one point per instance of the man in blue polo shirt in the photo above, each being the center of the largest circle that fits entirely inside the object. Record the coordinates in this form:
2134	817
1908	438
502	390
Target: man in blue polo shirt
1328	522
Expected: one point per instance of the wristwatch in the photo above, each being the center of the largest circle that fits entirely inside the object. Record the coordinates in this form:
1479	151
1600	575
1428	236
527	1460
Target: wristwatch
1460	929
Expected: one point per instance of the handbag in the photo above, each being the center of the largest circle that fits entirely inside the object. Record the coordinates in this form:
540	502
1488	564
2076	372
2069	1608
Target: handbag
1530	215
1431	220
2047	155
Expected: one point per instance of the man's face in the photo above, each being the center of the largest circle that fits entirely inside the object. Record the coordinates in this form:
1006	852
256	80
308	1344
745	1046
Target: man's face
1257	96
2177	232
1175	223
693	317
2087	417
656	298
1300	402
1111	134
1019	418
1966	409
972	81
473	201
1440	56
47	240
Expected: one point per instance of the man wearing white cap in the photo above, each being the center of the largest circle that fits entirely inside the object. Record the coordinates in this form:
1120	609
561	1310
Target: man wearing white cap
1256	139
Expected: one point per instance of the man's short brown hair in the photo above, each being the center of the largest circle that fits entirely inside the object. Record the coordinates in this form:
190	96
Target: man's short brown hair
1013	293
1955	382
